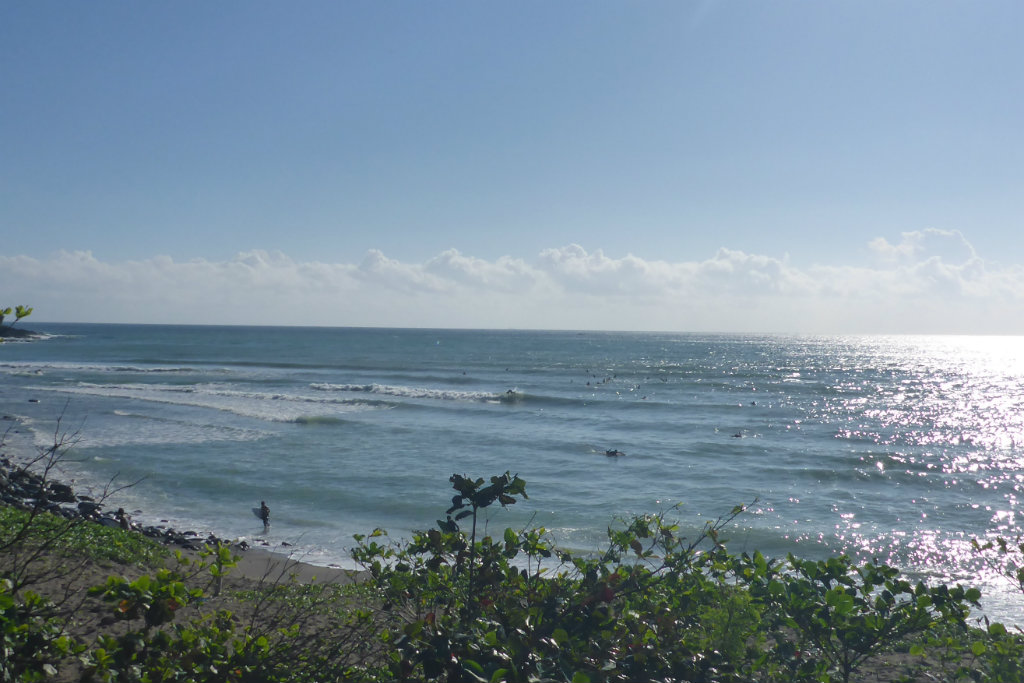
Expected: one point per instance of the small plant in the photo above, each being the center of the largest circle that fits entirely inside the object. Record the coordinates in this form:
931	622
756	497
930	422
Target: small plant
502	489
154	599
1005	556
220	560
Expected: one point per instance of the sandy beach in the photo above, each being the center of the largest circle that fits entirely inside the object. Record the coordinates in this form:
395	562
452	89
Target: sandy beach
256	564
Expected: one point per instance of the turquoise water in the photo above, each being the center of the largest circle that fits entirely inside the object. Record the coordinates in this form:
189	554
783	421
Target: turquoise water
900	448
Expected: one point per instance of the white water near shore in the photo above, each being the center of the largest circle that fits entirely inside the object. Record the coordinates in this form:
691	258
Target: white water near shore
899	448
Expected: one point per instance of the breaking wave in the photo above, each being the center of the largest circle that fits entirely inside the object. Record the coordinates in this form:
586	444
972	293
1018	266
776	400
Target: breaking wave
408	392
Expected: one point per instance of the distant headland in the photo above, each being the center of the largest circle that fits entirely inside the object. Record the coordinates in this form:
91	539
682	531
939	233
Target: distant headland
16	332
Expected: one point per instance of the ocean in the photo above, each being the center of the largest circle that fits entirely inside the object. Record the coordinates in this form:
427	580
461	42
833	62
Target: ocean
897	448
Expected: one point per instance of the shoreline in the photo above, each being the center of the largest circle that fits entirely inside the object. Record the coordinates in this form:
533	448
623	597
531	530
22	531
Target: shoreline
21	486
256	564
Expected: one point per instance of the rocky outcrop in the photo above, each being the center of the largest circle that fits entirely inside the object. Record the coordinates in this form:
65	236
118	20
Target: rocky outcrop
21	488
16	332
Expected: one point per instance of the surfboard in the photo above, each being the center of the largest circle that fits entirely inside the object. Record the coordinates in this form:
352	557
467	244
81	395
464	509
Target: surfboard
256	512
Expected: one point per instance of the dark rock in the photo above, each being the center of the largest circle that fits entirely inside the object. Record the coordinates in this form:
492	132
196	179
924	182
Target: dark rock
22	489
24	477
61	493
16	332
89	510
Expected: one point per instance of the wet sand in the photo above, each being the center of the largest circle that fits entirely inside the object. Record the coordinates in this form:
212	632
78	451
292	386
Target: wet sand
262	564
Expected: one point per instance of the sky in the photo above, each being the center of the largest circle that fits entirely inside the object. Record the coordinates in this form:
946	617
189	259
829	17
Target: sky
782	166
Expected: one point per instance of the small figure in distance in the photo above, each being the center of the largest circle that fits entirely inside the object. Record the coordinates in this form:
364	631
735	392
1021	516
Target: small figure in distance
265	515
122	519
613	453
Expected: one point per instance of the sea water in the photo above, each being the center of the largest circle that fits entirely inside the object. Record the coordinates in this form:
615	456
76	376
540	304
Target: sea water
902	449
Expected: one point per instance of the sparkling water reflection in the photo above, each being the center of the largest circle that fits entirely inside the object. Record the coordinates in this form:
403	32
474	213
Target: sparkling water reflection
899	448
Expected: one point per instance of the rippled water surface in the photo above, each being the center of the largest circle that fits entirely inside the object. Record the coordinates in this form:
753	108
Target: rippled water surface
900	448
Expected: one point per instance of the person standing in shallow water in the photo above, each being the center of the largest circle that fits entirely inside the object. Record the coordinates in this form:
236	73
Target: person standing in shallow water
265	515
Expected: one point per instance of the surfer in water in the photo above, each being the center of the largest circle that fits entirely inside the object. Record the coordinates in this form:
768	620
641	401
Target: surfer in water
265	515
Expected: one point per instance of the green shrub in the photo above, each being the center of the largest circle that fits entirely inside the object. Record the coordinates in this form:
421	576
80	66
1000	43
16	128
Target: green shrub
32	641
655	604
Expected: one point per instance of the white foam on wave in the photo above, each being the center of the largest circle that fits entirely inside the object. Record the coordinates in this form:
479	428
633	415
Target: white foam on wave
407	392
18	437
134	429
142	429
36	368
269	407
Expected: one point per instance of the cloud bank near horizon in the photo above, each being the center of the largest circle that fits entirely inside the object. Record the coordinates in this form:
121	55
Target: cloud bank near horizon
929	281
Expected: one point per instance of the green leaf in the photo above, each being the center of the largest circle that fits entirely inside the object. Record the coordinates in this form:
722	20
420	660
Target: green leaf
996	629
580	677
760	563
840	601
978	648
499	675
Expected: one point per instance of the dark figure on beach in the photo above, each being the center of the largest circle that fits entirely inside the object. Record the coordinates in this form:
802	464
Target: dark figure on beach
265	515
122	519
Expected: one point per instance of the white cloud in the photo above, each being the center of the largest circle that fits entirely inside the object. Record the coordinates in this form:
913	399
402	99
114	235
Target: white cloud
506	274
927	281
950	245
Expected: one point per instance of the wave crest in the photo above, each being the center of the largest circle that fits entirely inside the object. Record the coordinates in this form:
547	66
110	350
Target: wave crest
408	392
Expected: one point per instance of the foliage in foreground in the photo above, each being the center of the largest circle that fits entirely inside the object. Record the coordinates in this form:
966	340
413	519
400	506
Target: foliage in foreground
654	605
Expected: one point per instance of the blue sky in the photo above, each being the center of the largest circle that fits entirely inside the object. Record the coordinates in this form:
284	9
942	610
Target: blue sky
705	166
